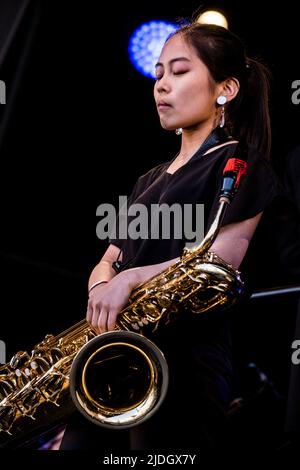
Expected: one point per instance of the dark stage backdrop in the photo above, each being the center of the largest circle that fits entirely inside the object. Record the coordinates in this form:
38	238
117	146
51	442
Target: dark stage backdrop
80	126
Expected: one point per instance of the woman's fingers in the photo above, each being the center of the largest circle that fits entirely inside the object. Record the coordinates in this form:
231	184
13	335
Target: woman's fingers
103	308
93	304
112	317
98	317
89	312
95	317
102	320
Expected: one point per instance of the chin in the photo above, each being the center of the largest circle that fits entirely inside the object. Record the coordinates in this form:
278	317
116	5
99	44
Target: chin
167	127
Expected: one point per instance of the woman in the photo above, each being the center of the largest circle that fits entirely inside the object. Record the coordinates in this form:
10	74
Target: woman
204	81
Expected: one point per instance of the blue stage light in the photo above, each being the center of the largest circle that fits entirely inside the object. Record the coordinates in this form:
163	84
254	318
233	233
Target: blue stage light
146	44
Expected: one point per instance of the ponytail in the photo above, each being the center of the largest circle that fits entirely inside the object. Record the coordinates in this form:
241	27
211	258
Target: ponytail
249	111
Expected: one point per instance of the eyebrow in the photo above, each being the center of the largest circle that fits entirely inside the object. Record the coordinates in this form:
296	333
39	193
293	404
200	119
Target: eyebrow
177	59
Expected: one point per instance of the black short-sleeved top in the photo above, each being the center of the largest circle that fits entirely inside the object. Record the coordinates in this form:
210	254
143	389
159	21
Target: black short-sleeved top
196	182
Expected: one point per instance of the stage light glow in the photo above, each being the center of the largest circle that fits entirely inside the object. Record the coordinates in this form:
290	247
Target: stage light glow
213	17
146	43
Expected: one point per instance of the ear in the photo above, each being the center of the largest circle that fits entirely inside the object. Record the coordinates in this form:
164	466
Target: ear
229	88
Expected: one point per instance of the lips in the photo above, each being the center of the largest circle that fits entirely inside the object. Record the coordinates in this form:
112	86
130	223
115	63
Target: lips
163	105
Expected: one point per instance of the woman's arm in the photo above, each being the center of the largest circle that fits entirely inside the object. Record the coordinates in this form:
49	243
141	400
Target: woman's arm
231	245
107	300
233	240
104	271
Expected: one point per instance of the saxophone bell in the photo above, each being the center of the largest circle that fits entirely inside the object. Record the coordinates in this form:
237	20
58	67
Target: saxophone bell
119	379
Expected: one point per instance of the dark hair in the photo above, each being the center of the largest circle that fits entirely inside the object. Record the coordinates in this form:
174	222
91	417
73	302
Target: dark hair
247	115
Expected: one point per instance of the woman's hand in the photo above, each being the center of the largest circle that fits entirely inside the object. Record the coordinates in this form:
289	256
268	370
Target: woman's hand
107	300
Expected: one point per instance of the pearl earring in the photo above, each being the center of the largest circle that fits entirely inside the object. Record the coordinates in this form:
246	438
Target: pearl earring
221	100
178	131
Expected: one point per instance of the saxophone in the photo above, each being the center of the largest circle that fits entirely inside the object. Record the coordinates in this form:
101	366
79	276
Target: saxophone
117	379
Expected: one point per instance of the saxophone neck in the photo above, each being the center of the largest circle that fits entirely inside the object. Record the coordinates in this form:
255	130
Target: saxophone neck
213	231
234	172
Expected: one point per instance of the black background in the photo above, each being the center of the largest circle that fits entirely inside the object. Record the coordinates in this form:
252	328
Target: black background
80	126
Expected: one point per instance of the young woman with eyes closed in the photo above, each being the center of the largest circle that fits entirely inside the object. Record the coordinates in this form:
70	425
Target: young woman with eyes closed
203	78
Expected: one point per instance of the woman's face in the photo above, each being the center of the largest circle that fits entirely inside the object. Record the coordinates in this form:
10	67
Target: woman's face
184	92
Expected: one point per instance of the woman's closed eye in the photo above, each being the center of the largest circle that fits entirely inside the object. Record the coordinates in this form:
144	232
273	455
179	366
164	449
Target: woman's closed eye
160	74
179	72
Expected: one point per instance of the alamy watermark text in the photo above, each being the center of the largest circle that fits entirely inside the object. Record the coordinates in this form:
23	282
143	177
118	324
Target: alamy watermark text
159	221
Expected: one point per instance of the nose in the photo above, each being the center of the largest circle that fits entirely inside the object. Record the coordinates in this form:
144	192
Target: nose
163	85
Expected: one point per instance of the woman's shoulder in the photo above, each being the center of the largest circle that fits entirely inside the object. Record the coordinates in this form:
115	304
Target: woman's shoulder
253	155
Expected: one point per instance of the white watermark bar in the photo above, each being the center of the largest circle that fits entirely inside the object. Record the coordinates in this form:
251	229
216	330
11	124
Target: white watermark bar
160	221
2	352
2	92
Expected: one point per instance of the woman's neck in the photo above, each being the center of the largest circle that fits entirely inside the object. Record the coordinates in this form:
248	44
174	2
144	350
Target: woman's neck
191	140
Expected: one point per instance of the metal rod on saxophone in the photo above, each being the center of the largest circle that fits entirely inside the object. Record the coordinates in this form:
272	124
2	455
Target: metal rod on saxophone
233	173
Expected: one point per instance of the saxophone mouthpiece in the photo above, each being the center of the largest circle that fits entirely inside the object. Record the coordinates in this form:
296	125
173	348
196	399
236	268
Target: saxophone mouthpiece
233	173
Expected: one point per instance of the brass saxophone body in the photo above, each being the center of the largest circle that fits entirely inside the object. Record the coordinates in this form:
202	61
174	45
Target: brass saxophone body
117	379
